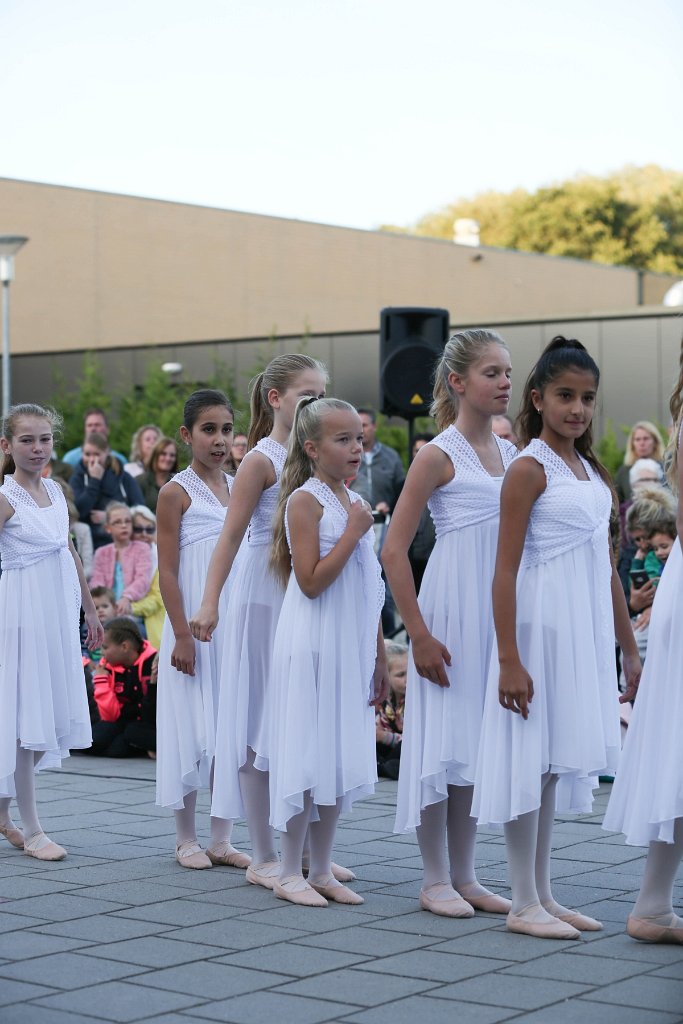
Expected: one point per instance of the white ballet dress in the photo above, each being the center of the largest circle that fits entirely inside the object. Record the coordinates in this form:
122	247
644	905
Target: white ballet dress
565	638
647	795
441	726
323	728
187	706
42	686
252	614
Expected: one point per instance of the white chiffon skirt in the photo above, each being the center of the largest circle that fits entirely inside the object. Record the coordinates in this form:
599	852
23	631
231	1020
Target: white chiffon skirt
42	685
647	795
573	724
442	726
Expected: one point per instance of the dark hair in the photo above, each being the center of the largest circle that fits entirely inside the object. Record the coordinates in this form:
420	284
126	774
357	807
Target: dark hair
279	375
95	410
103	592
559	355
122	629
423	437
367	410
158	448
9	426
200	400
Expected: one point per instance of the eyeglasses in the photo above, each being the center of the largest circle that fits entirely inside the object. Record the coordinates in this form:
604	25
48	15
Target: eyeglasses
145	529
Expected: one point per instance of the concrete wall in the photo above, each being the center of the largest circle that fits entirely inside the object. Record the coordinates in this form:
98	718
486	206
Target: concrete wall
637	352
107	271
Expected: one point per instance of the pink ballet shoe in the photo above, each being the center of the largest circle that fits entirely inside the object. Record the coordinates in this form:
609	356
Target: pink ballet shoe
336	893
295	889
489	903
13	835
341	873
42	848
580	921
265	874
524	924
436	899
649	931
190	855
225	855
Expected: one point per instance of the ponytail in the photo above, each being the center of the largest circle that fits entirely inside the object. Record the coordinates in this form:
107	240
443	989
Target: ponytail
261	423
280	374
559	355
298	468
7	467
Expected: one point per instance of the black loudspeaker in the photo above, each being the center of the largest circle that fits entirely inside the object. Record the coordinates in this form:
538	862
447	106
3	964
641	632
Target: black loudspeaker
411	340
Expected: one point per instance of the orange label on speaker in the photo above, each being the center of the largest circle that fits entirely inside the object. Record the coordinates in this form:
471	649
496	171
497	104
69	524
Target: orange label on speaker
417	399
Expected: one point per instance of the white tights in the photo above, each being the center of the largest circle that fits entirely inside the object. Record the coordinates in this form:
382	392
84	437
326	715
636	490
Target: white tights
528	842
186	826
321	835
254	786
26	792
655	899
449	818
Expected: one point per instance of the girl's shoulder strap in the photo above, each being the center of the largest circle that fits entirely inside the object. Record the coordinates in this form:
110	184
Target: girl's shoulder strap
273	450
508	451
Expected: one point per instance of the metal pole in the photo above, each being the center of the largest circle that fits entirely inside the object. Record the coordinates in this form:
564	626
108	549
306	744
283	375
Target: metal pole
6	379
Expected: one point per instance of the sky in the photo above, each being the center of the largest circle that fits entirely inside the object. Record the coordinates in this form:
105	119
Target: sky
349	112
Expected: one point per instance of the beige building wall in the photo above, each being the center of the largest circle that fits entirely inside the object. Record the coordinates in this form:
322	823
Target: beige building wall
108	271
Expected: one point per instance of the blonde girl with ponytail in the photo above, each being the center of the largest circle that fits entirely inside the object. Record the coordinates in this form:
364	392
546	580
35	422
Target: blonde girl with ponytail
241	761
329	665
458	476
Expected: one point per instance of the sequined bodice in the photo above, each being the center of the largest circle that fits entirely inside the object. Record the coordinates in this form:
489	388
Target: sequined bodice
261	525
473	495
205	516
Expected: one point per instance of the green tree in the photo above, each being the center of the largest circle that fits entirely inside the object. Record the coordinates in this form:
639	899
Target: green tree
633	217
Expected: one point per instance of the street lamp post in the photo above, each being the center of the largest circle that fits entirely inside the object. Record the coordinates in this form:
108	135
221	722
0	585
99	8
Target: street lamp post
9	247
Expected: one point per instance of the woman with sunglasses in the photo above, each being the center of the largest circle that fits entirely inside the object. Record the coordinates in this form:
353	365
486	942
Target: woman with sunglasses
150	607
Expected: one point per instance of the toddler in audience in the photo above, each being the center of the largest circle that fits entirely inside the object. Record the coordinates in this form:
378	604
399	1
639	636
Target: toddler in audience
389	717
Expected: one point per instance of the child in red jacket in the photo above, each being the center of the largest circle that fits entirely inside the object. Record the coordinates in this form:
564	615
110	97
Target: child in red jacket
125	693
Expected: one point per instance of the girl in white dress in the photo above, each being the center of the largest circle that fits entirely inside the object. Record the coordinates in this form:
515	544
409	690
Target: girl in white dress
551	720
647	797
42	688
191	512
459	476
329	665
241	776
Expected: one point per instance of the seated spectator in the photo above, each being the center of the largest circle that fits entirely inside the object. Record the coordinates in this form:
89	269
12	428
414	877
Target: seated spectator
150	607
663	540
125	565
389	716
504	427
237	452
652	511
125	693
97	480
163	464
141	447
94	422
644	442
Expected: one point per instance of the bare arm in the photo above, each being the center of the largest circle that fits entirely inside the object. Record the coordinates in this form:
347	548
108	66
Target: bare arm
313	573
624	632
523	484
173	502
431	469
255	474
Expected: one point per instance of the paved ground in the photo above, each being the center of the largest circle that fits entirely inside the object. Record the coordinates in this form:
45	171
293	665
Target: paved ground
119	932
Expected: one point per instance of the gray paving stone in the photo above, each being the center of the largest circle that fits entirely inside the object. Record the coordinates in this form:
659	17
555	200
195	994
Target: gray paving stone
104	873
293	959
508	991
68	971
26	944
567	966
14	922
312	919
103	928
237	934
390	873
154	951
17	1014
65	906
366	940
670	971
28	885
586	1012
422	923
178	912
622	946
133	893
596	853
270	1006
503	945
214	980
366	987
434	966
118	1001
646	991
20	991
431	1011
